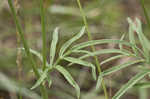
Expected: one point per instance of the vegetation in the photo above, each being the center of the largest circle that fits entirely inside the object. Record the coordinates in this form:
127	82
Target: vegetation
62	63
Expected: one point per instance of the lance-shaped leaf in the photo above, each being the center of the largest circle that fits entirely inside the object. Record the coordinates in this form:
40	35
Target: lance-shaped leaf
95	42
107	51
142	85
99	81
138	29
143	40
131	35
103	51
130	84
84	63
69	42
120	45
112	58
69	78
119	67
42	78
49	82
36	53
53	46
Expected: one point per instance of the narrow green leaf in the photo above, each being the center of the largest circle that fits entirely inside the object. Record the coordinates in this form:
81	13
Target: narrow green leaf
142	85
69	42
53	46
143	40
106	51
49	82
145	12
36	53
112	58
69	78
43	91
40	80
84	63
138	29
131	35
99	81
120	45
119	67
99	52
95	42
43	76
48	78
130	84
82	51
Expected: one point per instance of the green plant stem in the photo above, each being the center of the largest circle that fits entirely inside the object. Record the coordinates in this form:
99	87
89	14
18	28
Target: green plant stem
43	25
145	12
19	55
18	26
92	47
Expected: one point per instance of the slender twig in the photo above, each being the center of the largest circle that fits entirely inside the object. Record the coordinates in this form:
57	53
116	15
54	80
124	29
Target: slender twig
19	29
145	12
92	47
43	25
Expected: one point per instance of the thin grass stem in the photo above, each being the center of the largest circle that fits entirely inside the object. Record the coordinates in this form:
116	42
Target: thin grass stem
145	12
43	25
92	47
19	29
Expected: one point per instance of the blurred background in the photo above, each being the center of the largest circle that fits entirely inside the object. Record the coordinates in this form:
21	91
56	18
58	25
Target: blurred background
106	19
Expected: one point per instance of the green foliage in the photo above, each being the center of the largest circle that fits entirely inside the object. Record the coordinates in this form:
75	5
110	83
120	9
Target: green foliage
84	63
134	27
53	46
69	42
69	78
130	84
67	49
55	65
26	47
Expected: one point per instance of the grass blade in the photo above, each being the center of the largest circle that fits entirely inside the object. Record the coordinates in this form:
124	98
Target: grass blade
145	12
120	45
112	58
49	82
95	42
22	38
53	46
84	63
43	25
69	78
40	80
69	42
99	81
99	52
92	46
143	40
36	53
43	90
131	35
119	67
106	51
142	85
130	84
